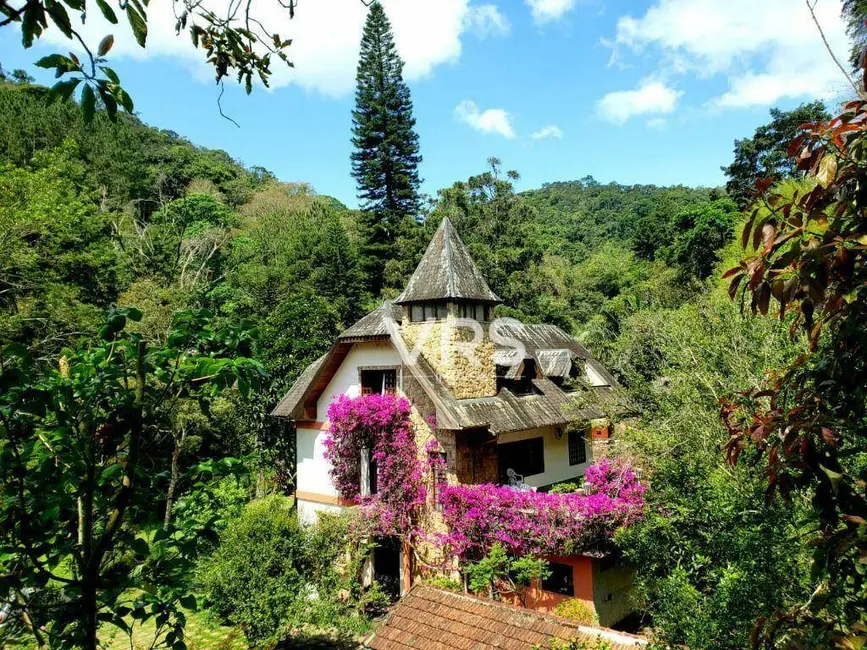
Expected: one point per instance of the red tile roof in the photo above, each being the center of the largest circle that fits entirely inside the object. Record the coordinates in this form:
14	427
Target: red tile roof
428	618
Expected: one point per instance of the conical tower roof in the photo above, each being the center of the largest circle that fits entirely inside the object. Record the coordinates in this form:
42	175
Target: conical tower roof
447	272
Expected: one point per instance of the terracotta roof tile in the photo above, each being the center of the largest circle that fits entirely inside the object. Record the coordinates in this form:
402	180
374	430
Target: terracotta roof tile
434	619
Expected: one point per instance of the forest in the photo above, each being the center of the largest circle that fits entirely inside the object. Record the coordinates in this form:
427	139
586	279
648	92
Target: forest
158	298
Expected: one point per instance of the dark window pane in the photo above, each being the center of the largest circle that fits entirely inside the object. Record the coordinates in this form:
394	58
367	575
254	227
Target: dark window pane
525	457
378	381
417	313
560	581
577	449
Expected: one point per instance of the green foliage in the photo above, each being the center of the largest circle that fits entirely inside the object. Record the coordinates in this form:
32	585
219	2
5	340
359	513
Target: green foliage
578	611
386	151
235	45
805	424
565	487
699	233
76	537
270	576
442	582
710	555
577	217
59	265
131	164
499	574
580	644
764	155
855	14
255	577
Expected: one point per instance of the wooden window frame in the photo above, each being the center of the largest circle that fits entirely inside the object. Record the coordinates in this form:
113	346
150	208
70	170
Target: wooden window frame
577	447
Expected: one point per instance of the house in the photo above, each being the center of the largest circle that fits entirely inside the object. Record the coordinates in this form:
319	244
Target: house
508	403
428	618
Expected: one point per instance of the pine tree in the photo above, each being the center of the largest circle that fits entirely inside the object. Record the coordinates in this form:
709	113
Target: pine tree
386	157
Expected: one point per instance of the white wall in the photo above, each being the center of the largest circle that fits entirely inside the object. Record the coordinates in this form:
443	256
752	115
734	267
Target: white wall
313	469
557	467
346	379
308	511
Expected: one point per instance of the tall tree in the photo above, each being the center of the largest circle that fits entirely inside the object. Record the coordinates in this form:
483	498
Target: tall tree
855	14
764	155
386	157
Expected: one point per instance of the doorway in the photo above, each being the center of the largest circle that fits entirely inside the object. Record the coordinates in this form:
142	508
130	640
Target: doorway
386	565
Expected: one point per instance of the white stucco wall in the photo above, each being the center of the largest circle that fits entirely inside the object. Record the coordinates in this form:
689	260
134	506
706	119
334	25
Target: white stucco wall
312	468
346	379
556	452
308	511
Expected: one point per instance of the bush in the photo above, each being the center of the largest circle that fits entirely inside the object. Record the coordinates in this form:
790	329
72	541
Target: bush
566	487
256	575
442	582
578	611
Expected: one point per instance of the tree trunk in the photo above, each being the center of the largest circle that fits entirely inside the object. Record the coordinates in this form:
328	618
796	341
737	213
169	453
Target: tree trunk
93	563
89	609
173	482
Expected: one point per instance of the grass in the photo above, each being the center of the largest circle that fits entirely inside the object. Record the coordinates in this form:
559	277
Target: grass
203	632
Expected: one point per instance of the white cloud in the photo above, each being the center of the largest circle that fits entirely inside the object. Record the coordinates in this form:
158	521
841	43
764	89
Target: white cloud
486	20
550	132
651	97
546	11
658	123
768	50
492	120
325	33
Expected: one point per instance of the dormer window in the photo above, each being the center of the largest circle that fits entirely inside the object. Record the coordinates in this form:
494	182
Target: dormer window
420	312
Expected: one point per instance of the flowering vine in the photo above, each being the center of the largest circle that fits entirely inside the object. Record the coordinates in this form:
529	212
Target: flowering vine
538	523
477	516
380	423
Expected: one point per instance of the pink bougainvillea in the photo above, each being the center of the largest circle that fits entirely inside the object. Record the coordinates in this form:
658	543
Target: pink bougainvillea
477	516
536	523
381	424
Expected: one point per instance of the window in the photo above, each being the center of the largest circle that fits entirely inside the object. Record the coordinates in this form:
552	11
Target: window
525	457
438	461
560	581
378	381
476	311
428	311
577	449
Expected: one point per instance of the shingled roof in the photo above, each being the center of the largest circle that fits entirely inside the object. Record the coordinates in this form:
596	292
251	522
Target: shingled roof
447	272
374	324
549	406
428	618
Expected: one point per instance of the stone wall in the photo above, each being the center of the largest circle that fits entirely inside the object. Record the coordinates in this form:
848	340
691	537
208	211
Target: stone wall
463	358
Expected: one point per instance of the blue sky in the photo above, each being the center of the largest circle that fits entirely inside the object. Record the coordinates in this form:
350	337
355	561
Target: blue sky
650	91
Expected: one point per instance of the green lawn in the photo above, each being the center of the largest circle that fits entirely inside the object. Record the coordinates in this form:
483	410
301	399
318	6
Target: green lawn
204	633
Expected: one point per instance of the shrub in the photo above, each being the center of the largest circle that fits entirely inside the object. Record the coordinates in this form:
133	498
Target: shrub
498	573
566	487
255	576
578	611
443	582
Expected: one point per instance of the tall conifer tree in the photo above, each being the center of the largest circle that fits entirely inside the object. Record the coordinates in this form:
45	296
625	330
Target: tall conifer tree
386	157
